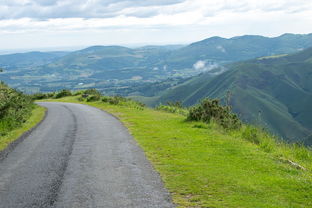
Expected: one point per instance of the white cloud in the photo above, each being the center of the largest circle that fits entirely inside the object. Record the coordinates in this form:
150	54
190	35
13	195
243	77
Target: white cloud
150	21
199	65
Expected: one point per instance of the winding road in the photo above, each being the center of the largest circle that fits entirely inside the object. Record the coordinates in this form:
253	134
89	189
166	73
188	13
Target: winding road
79	157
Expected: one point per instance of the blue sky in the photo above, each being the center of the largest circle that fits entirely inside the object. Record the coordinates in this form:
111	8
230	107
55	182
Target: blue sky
66	23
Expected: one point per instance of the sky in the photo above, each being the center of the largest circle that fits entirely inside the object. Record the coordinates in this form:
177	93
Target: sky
35	24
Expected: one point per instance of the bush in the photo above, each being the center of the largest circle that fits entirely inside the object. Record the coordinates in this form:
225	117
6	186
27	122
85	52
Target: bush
15	108
93	98
91	95
41	96
63	93
209	110
91	92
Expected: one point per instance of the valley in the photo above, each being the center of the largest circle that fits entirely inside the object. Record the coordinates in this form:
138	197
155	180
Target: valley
121	70
267	87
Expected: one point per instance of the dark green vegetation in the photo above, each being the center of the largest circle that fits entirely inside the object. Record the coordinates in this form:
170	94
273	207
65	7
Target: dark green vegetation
204	165
274	92
18	114
211	110
15	108
127	71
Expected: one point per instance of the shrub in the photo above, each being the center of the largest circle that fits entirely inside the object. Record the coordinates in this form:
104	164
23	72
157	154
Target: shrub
92	92
15	108
209	110
93	98
91	95
63	93
40	96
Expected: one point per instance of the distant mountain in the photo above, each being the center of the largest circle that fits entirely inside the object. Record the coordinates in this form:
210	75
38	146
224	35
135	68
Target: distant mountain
29	59
274	91
97	66
110	62
114	67
222	50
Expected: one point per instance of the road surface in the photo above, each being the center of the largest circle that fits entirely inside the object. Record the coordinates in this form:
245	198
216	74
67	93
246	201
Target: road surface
79	156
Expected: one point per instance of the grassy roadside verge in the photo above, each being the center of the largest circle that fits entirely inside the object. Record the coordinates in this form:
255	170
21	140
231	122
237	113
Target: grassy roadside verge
37	115
204	166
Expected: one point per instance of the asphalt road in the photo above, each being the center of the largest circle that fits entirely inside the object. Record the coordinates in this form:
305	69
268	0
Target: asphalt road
79	156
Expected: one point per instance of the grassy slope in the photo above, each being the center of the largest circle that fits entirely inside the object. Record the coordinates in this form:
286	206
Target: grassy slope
37	115
203	166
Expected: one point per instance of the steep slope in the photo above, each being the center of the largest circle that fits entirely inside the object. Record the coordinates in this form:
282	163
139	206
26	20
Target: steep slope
275	92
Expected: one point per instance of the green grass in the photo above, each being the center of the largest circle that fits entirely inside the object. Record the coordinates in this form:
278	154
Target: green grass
203	165
37	115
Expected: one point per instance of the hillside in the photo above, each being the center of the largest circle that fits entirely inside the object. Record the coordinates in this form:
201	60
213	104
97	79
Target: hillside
275	92
117	69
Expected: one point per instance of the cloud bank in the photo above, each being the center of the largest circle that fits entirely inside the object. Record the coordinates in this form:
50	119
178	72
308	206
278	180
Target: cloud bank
149	21
49	9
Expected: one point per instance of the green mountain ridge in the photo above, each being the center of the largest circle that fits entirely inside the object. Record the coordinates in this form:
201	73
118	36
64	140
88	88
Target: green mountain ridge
275	92
239	48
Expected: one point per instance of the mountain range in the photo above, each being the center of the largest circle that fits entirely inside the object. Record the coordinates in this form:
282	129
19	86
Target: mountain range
115	67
